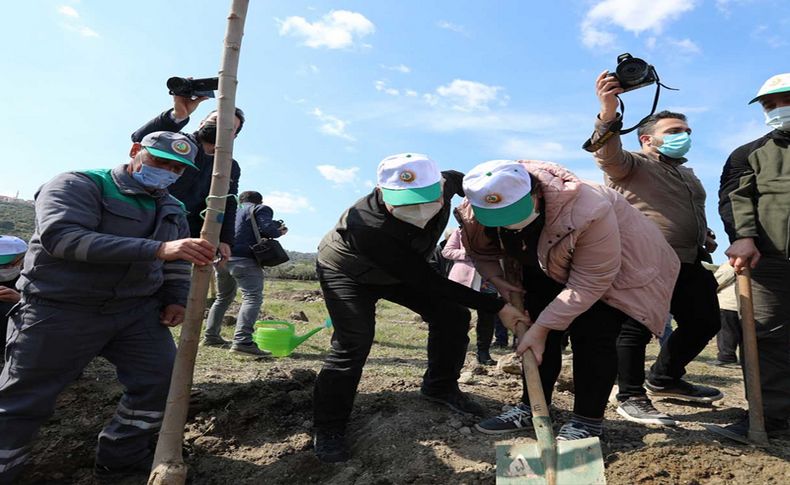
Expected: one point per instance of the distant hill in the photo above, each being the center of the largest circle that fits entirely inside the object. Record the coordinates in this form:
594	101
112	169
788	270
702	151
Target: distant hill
17	218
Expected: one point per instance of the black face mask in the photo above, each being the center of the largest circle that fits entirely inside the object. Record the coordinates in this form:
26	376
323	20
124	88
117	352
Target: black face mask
208	133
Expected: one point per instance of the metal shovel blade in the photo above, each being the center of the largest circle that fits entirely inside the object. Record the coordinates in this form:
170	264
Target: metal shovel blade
579	462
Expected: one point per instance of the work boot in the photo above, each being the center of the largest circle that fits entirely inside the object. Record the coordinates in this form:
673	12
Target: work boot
685	391
248	349
517	418
214	341
639	409
455	400
484	358
329	446
108	474
739	430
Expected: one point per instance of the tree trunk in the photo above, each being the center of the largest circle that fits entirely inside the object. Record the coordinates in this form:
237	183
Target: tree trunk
169	467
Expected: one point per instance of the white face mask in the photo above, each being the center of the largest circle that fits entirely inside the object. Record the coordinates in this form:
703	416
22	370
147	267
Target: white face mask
521	225
778	118
417	214
8	274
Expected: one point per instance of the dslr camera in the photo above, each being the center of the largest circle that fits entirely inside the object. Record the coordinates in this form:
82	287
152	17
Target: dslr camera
633	73
192	88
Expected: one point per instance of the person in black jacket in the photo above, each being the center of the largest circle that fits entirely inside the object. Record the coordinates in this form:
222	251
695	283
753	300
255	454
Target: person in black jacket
244	272
379	249
193	187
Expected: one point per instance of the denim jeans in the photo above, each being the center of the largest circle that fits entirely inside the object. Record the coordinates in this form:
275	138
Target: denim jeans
245	274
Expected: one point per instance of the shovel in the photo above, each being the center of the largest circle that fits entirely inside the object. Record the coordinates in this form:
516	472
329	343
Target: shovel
575	462
754	395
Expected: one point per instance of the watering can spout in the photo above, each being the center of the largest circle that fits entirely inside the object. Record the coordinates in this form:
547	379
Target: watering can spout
297	340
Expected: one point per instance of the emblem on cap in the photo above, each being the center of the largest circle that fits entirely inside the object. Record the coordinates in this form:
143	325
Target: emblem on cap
180	147
493	198
407	176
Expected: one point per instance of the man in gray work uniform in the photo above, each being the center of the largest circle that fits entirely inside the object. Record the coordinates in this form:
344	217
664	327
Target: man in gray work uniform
107	273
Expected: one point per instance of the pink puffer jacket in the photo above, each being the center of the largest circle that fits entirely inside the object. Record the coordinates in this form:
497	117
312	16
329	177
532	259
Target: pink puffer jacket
594	243
463	270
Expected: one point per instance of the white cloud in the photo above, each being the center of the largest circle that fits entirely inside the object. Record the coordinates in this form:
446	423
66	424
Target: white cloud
72	22
382	87
332	125
338	175
399	68
338	29
444	24
650	43
534	149
286	202
763	33
411	93
684	46
466	95
68	11
634	16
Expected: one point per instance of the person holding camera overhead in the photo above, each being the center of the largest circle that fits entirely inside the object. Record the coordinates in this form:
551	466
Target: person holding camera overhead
244	272
656	181
193	187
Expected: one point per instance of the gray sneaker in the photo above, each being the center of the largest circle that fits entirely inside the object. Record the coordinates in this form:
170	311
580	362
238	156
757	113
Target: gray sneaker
248	349
212	341
641	410
517	418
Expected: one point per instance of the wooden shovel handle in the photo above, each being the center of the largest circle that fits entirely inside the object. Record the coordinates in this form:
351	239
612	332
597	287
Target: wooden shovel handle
754	394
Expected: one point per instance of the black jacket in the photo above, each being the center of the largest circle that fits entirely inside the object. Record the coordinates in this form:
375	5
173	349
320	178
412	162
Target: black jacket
371	246
193	186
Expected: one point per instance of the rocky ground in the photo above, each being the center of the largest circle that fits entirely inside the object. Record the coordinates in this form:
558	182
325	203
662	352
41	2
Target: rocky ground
250	421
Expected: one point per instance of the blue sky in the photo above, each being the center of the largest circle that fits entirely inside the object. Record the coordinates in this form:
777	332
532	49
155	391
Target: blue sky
331	88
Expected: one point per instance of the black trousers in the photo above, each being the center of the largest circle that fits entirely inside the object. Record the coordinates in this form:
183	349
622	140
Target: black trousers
484	330
728	337
352	307
593	336
695	308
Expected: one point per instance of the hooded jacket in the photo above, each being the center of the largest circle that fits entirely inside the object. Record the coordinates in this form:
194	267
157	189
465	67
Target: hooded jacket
596	244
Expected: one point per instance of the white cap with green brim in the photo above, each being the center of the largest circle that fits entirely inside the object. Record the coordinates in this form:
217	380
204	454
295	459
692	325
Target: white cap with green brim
10	248
500	192
775	84
409	178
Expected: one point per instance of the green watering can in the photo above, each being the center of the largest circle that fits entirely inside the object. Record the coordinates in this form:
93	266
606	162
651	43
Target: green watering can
280	338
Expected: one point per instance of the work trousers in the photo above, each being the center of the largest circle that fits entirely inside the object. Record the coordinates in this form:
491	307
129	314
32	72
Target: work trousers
49	347
352	308
592	334
771	296
728	337
695	308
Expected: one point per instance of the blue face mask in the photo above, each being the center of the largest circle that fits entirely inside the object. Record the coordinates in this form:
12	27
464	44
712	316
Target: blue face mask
676	145
778	118
155	178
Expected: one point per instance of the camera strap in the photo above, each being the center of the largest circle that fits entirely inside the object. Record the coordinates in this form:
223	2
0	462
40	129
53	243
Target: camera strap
659	85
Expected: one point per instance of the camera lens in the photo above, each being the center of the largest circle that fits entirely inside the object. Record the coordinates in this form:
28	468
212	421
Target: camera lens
631	71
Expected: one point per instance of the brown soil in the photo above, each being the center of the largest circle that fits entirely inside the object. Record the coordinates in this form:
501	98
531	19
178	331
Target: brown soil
253	426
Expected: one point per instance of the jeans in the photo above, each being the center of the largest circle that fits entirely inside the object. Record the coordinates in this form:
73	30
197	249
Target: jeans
695	308
593	335
245	274
500	332
352	307
484	330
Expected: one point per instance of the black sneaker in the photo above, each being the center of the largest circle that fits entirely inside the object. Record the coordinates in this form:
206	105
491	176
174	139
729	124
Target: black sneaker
641	410
455	400
484	358
330	446
249	349
500	344
685	391
739	430
140	468
573	430
727	364
212	341
517	418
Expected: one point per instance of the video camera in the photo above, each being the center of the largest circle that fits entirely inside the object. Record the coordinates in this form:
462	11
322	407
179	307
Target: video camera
192	88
